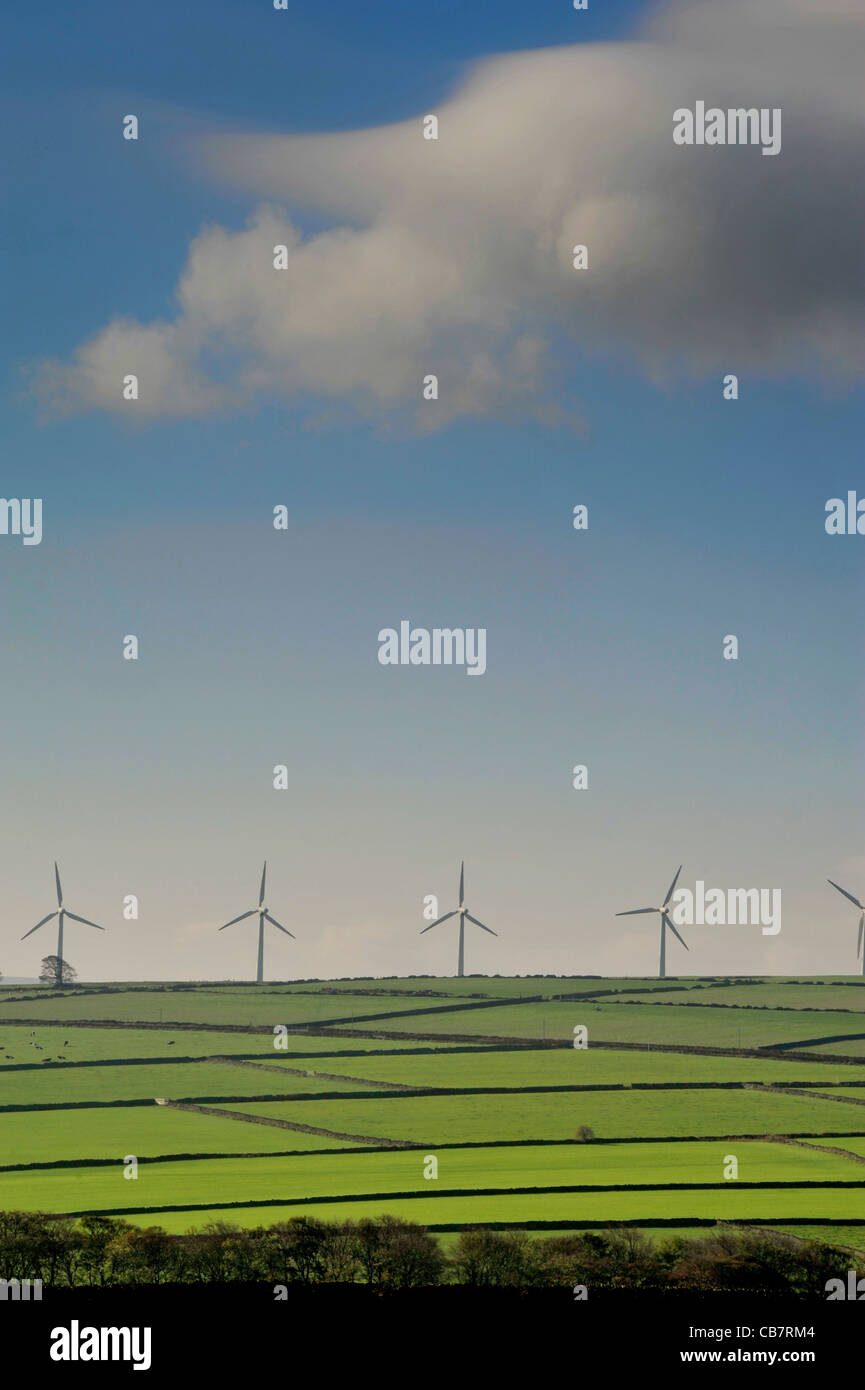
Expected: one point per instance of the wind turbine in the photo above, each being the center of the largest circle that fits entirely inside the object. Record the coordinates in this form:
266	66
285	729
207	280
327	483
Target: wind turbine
463	913
61	913
263	916
856	903
666	921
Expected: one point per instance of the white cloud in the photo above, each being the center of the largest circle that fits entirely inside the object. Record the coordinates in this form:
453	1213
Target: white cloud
454	257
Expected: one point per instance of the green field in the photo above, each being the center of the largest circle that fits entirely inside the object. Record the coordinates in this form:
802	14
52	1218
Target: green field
789	994
49	1136
648	1023
120	1045
757	1207
243	1008
587	1067
489	986
661	1118
853	1143
612	1115
187	1081
226	1180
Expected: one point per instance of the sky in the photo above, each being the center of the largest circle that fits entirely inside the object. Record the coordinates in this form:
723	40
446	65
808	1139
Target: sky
558	387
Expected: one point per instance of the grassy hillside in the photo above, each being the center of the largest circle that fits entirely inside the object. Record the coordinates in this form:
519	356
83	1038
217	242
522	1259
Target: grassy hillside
377	1077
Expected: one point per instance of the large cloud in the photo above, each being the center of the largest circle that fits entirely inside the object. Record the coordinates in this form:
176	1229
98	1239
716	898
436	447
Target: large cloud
455	256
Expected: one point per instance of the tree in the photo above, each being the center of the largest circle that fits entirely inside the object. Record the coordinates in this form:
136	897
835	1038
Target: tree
398	1253
99	1232
617	1258
141	1256
297	1248
57	972
498	1258
756	1261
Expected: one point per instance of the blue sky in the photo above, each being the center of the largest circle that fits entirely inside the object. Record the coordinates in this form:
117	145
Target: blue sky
706	517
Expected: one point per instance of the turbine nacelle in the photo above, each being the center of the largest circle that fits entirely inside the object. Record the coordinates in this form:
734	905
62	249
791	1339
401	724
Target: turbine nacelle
666	921
464	915
61	913
262	912
860	939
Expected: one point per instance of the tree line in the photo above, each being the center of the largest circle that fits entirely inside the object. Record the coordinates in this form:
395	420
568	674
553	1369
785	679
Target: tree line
98	1251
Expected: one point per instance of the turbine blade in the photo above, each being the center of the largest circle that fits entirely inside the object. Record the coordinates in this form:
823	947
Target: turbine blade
481	925
38	925
861	934
252	912
673	886
263	876
634	911
438	920
462	874
85	920
860	906
273	922
669	922
59	889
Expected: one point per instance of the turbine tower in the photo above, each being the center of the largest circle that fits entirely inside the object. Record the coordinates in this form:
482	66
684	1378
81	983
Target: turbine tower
666	921
263	916
856	903
463	913
61	913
